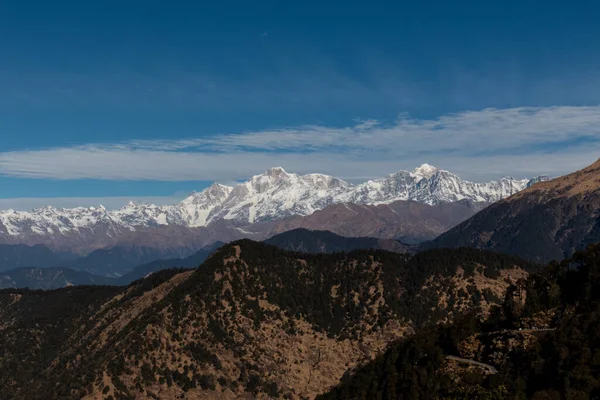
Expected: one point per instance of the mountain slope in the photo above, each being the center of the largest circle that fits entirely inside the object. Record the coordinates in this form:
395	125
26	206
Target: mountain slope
547	221
253	322
543	343
270	196
307	241
408	221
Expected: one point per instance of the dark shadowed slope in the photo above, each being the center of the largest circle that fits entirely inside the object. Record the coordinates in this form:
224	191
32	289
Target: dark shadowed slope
549	220
308	241
408	221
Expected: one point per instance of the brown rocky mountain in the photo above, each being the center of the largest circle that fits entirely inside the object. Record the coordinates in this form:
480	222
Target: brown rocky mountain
254	322
547	221
408	221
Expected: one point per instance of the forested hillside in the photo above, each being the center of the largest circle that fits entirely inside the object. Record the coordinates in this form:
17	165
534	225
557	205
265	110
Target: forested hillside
543	342
253	321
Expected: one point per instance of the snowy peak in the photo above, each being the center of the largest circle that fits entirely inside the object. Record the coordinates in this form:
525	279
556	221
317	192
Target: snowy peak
276	172
215	193
425	171
445	187
274	194
431	185
277	194
195	210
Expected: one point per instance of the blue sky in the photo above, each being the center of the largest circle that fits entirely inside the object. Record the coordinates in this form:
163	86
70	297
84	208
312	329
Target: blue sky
103	101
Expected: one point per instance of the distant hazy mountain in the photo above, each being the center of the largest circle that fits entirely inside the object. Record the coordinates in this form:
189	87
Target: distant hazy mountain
270	196
547	221
49	278
116	261
58	277
15	256
307	241
193	261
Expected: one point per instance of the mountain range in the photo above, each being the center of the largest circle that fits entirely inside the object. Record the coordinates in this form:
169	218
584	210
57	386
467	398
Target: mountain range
248	209
407	221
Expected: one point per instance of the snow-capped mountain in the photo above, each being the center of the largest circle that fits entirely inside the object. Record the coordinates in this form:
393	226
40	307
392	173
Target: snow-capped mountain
272	195
430	185
277	194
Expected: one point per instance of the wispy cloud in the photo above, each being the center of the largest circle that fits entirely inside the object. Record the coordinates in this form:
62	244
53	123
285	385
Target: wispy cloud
489	130
476	144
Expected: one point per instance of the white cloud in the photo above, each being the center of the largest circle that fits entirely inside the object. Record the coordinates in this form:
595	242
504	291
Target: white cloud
476	144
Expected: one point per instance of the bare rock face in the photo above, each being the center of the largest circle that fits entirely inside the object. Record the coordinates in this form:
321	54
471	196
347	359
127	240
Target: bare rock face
548	221
271	196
